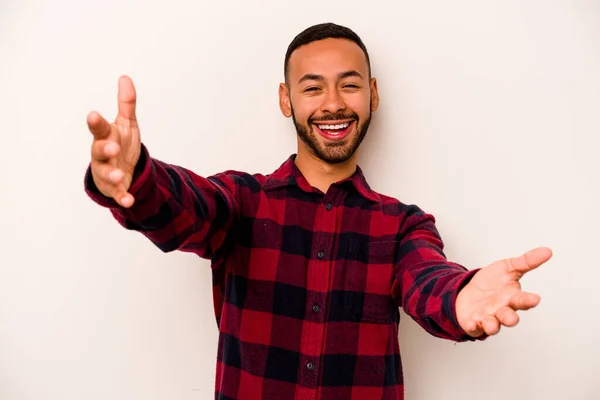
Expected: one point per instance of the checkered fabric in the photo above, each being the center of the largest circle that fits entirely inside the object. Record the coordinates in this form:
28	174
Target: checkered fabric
306	285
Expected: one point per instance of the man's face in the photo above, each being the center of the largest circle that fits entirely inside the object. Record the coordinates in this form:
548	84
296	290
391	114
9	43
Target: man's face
330	97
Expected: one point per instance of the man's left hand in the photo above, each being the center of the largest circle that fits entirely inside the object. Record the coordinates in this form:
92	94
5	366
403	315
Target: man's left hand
493	296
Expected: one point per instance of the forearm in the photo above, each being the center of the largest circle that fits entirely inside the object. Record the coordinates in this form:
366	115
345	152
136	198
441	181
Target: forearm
426	283
429	290
174	208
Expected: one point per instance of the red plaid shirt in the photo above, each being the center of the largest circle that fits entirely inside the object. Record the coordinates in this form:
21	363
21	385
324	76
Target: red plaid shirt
307	285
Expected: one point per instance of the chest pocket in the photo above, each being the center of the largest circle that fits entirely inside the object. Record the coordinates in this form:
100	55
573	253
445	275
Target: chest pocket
368	276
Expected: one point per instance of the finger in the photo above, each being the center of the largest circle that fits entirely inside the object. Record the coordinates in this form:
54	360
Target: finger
108	174
473	329
507	316
126	98
530	260
524	301
98	126
126	200
491	325
113	180
121	196
103	150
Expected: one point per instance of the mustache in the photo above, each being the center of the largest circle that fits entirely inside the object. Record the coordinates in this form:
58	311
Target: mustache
333	117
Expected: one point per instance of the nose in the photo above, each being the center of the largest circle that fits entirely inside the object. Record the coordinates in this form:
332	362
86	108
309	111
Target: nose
333	102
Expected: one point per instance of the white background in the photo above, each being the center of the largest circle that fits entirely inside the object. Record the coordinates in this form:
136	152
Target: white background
489	119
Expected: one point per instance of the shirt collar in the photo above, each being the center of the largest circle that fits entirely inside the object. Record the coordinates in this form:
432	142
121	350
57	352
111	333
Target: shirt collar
288	174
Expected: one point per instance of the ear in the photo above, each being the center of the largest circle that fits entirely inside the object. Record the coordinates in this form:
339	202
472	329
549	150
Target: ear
374	95
284	100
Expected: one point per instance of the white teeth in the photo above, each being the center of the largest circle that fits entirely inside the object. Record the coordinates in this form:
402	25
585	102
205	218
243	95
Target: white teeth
339	126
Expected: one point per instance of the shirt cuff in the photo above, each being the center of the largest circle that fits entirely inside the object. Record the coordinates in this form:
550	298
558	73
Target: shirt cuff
449	309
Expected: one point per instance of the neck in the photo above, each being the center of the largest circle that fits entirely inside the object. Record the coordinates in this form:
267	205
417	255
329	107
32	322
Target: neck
321	174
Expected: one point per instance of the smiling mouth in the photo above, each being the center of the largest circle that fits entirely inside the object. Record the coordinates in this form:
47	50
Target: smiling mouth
334	130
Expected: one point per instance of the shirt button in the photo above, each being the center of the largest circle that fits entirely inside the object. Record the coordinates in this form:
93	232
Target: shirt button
316	308
310	366
320	255
328	206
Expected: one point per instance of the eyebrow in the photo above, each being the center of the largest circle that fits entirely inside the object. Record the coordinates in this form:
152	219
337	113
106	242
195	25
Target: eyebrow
341	75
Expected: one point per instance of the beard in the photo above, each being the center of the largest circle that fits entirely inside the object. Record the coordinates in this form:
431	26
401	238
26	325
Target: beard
334	152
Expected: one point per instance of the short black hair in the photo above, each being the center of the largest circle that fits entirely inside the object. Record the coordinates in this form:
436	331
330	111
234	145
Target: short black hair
323	31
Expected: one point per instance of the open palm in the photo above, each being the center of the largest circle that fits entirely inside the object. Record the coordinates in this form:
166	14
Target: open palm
493	296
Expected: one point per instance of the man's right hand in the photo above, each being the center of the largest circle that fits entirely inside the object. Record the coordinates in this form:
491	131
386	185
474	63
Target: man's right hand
116	147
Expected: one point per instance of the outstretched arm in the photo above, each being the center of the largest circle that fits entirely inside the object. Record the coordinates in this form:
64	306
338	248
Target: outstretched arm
448	300
175	208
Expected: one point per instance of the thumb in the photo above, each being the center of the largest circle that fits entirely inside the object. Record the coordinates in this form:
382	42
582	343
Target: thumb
530	260
126	98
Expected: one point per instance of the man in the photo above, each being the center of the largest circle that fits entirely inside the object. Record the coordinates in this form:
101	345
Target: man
310	266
